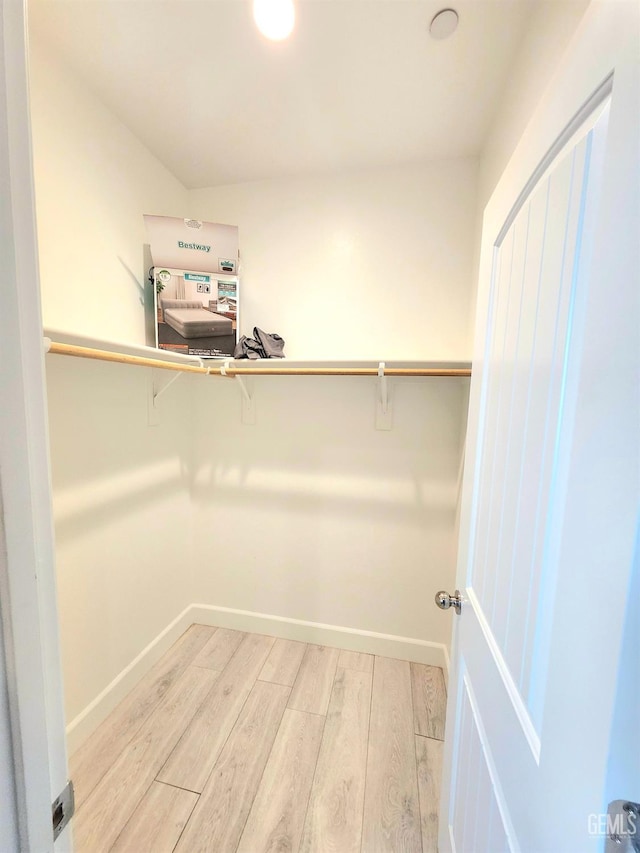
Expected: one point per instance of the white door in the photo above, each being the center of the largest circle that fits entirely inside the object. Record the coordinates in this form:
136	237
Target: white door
551	484
30	666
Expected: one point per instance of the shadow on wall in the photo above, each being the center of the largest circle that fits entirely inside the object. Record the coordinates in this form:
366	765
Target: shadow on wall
410	501
417	513
315	441
74	524
145	296
140	286
99	427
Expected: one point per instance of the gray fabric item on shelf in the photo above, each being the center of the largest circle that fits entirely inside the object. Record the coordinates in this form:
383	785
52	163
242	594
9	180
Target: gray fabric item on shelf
272	344
264	345
247	348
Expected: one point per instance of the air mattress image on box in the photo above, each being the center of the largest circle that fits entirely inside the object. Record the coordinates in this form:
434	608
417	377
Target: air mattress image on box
191	320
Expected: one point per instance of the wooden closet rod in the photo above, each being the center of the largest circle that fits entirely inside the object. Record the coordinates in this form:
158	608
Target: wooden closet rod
278	369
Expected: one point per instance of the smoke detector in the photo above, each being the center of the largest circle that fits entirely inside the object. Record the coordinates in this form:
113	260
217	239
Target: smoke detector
444	24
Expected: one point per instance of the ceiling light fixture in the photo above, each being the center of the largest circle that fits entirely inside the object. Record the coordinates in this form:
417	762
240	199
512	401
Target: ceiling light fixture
444	24
274	18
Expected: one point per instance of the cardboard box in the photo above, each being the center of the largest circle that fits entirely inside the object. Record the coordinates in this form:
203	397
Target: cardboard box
196	287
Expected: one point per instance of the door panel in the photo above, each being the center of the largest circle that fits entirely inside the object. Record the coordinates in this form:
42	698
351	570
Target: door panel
541	412
535	262
548	511
481	825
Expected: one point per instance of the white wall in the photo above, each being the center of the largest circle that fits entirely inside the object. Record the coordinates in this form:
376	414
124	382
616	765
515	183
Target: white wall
122	517
94	181
313	514
549	30
120	487
373	264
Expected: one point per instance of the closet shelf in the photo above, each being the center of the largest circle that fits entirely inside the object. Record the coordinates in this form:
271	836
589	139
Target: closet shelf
64	343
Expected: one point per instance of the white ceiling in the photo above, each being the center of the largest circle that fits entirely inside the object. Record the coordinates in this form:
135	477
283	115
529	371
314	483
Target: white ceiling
360	83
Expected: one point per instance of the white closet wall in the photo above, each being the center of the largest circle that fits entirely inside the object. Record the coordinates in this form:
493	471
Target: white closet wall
314	515
373	264
550	28
122	515
120	488
93	179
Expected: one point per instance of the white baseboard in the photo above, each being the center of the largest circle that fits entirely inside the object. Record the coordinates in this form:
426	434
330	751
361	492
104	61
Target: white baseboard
88	720
356	640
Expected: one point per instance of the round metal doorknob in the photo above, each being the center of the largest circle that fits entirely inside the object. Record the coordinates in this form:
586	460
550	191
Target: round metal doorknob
445	601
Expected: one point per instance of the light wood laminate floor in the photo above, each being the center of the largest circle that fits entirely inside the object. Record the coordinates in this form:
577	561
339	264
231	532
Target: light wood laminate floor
241	742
